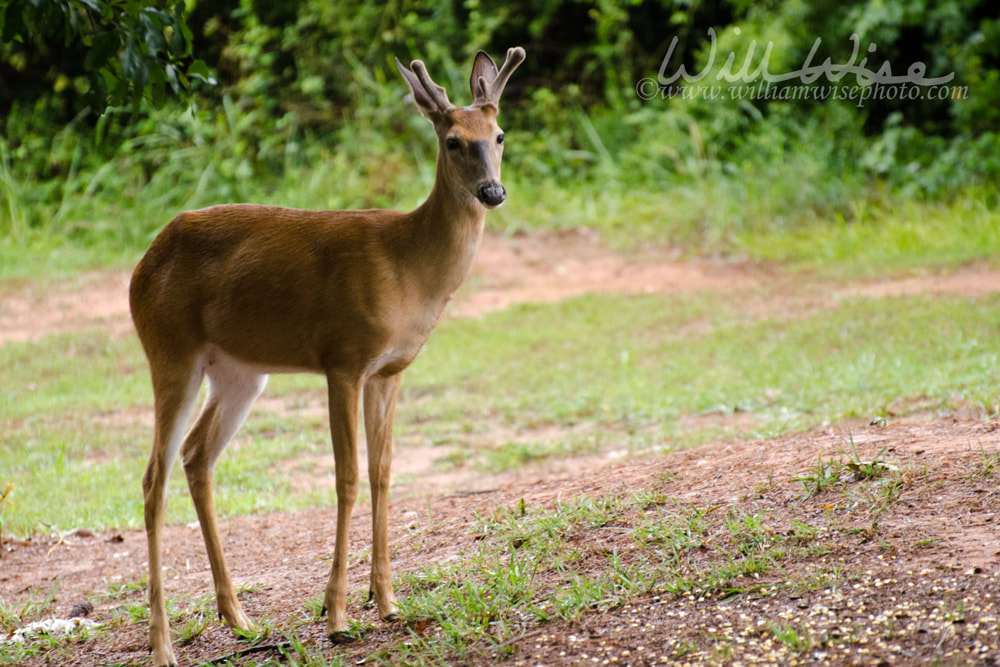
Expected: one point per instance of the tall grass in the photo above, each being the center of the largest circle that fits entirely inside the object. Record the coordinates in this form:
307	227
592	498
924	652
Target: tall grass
789	192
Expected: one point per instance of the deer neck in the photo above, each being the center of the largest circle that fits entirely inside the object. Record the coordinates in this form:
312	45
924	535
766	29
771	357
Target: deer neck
444	238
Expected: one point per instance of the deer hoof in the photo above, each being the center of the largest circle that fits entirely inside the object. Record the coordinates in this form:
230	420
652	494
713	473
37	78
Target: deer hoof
343	637
167	660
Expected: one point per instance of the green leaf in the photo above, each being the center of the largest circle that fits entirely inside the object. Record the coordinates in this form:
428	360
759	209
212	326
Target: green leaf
13	21
134	67
174	78
164	18
117	90
157	87
155	42
97	96
180	38
199	70
103	48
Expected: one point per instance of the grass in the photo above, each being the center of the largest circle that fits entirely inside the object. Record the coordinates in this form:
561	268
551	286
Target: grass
646	361
580	377
888	236
628	368
12	617
534	565
531	565
544	565
882	481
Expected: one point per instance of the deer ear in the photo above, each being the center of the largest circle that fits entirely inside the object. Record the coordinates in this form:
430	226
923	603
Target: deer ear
482	68
428	107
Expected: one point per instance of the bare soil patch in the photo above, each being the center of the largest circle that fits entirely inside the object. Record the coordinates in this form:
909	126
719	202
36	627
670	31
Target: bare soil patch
915	584
557	266
29	311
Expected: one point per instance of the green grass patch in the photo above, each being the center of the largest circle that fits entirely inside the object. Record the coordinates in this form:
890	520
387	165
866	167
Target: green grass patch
76	409
649	360
77	429
888	236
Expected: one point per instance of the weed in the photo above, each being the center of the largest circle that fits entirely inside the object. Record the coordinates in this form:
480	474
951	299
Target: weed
820	477
988	464
12	615
262	629
297	652
650	498
315	609
191	628
135	612
954	613
722	652
749	532
867	469
764	486
684	649
827	577
117	590
674	531
182	606
877	496
802	532
515	455
797	639
926	544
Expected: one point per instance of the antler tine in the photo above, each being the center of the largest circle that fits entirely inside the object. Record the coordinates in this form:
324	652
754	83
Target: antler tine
489	92
436	92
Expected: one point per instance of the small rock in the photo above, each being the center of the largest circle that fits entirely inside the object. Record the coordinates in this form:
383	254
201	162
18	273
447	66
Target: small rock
81	609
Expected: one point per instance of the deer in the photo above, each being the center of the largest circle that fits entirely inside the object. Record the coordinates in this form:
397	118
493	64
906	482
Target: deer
236	292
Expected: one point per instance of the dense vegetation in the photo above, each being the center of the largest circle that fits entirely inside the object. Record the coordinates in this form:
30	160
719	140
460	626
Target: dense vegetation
112	118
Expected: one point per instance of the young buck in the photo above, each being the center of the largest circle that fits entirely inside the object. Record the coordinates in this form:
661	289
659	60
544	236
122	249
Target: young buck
236	292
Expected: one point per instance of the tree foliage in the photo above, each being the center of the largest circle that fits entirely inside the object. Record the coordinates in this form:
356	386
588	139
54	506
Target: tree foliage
95	54
303	79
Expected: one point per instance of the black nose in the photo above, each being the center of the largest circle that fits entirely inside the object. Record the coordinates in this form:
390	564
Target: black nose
491	194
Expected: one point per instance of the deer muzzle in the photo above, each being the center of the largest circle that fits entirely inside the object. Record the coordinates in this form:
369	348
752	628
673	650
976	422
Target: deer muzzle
492	194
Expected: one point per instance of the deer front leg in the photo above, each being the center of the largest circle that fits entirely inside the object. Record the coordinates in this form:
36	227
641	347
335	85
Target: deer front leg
343	397
380	404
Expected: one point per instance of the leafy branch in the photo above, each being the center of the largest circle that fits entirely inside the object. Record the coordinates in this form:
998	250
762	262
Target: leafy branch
133	51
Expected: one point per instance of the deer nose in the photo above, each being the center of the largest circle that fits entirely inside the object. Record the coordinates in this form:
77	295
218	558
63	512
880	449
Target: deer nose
492	193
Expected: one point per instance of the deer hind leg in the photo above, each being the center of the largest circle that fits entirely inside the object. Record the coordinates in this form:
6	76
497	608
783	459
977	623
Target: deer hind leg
343	397
232	390
175	387
380	404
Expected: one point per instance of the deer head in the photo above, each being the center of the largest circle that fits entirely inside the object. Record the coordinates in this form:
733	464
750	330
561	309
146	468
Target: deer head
470	143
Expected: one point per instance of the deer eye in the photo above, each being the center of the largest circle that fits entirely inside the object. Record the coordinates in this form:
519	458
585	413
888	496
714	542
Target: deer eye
500	139
451	143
